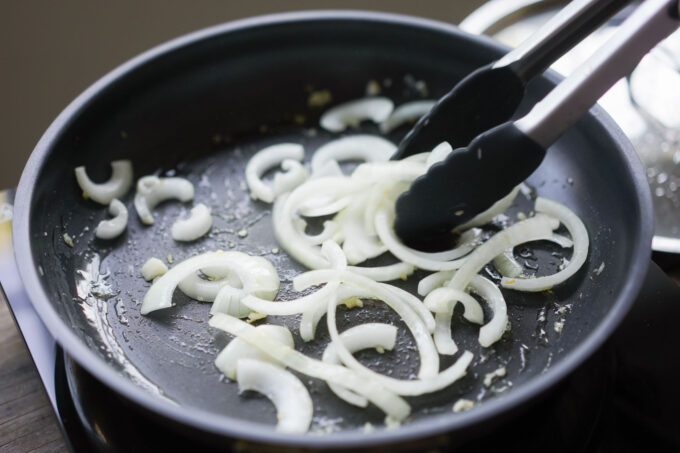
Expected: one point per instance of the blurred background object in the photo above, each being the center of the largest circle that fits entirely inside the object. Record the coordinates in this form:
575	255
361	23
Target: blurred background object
52	51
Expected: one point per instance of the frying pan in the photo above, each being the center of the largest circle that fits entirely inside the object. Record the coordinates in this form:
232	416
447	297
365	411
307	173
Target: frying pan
198	107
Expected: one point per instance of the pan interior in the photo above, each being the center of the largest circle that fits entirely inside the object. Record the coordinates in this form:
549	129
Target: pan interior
200	113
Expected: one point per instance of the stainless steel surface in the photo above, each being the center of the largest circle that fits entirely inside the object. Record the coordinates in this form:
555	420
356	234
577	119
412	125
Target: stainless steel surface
560	109
643	104
561	25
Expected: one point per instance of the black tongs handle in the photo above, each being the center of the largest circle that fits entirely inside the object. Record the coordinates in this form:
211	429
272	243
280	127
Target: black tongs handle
559	34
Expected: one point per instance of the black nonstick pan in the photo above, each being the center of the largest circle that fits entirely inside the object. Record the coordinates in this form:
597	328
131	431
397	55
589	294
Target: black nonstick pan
199	107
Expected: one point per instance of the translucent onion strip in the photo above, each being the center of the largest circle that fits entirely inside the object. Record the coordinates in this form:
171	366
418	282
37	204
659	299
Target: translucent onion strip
366	148
525	231
493	330
387	401
439	153
407	112
112	228
261	280
393	297
443	301
364	336
238	349
196	225
351	113
266	159
116	187
416	387
580	239
294	173
152	268
285	215
385	273
293	404
152	190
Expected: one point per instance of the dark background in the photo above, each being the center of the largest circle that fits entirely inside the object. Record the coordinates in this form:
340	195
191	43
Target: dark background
50	51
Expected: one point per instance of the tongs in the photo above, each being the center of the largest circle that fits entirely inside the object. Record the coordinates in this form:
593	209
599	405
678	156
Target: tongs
473	177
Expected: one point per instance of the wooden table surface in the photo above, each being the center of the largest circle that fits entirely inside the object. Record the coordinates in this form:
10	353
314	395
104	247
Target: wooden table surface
27	421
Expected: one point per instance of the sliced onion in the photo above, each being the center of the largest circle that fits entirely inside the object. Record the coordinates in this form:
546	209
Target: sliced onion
409	111
116	187
367	148
579	235
398	300
525	231
294	174
426	384
290	307
205	290
112	228
151	190
266	159
439	153
260	280
152	268
493	330
228	301
370	288
192	228
385	273
238	349
528	230
364	336
286	210
293	404
357	244
507	265
376	109
442	301
391	404
433	281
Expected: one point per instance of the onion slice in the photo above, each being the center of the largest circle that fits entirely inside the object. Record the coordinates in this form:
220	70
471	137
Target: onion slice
351	113
152	268
112	228
367	148
579	236
116	187
364	336
152	190
293	404
237	349
265	159
260	279
532	229
387	401
192	228
409	111
411	311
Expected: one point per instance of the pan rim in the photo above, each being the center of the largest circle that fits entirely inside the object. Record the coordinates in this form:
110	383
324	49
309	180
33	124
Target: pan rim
228	426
